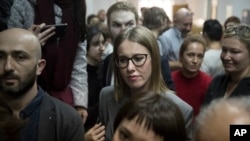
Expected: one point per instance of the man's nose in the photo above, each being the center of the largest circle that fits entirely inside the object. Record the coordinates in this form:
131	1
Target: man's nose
8	65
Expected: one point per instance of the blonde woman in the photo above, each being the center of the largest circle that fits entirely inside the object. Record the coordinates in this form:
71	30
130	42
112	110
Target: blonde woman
137	69
235	57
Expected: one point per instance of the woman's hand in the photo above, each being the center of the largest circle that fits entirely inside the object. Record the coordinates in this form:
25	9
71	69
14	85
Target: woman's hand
96	133
42	36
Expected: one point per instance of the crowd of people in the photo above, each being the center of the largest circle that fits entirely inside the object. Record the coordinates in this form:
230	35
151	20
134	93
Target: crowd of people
117	76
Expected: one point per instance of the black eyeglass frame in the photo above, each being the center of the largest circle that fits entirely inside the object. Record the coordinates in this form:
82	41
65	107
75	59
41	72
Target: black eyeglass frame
127	60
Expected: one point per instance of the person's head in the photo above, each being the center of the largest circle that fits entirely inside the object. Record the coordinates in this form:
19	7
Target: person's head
95	45
92	20
155	18
230	21
149	117
183	20
137	62
20	62
235	53
101	15
191	54
212	30
213	122
121	15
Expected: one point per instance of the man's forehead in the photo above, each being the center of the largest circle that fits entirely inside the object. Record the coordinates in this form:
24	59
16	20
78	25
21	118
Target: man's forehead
17	45
122	16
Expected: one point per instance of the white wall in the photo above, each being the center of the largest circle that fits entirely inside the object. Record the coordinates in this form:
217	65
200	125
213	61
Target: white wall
93	6
201	8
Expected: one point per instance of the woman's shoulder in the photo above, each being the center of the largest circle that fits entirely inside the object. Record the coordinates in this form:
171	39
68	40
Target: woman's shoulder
178	101
107	91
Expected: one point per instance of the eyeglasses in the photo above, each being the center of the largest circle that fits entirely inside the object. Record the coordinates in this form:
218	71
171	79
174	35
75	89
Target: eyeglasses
243	31
97	43
138	60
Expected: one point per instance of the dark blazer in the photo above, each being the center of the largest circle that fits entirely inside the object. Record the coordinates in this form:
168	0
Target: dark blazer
109	107
218	88
59	121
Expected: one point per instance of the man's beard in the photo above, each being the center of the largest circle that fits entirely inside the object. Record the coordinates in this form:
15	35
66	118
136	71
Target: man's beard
23	86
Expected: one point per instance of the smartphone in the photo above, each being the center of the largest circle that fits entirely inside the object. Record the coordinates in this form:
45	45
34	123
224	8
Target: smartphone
60	29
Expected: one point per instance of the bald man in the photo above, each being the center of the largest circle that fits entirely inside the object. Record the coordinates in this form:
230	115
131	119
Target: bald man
171	39
213	122
20	64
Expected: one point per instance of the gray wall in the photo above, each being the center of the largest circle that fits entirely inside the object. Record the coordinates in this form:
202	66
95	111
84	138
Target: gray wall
238	6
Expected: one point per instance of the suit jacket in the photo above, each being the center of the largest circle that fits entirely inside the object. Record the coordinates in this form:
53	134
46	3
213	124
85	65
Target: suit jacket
218	88
109	107
59	121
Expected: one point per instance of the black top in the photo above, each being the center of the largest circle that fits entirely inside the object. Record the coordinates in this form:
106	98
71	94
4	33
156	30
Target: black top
94	86
218	88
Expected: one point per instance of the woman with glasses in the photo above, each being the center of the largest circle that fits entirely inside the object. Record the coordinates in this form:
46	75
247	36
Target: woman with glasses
137	69
235	58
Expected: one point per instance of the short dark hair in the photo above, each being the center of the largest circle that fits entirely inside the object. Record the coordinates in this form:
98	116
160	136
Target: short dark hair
160	114
92	31
213	29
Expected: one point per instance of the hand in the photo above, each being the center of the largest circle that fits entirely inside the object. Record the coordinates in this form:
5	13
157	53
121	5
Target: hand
96	133
42	36
83	113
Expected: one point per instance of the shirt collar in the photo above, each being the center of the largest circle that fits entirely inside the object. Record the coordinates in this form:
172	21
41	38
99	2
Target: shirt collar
36	101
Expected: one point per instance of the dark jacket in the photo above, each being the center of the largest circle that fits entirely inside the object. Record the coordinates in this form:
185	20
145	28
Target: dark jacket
218	88
59	121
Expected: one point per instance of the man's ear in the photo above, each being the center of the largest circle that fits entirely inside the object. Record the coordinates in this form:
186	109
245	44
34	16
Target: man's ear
40	66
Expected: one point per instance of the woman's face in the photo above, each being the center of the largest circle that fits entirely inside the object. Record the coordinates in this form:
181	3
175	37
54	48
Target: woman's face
136	77
132	131
234	56
96	50
192	58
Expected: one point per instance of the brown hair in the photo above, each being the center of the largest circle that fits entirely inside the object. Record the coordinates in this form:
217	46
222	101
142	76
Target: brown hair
197	38
159	114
